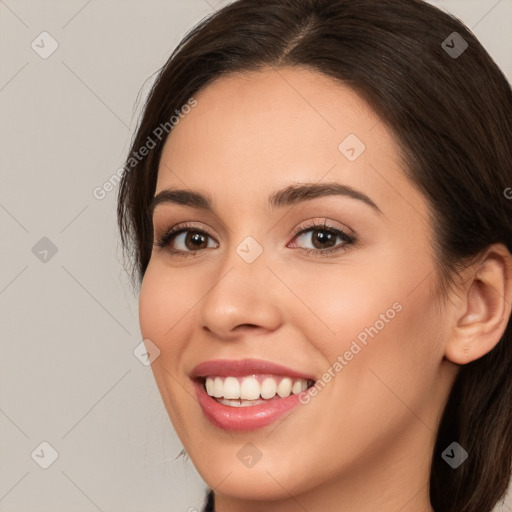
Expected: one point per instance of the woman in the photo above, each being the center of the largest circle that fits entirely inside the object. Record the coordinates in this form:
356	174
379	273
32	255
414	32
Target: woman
321	230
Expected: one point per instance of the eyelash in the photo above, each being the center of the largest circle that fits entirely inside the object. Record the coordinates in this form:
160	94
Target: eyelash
166	238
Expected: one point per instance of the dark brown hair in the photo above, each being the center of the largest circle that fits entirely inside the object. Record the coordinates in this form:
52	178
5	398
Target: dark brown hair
451	117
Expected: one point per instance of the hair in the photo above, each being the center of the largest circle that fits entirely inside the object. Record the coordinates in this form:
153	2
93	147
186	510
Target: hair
451	118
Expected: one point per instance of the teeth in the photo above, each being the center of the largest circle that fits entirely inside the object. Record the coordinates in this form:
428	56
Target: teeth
268	388
250	389
284	388
298	386
231	388
218	387
210	387
240	403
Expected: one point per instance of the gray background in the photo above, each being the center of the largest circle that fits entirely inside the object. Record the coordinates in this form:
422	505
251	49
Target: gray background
69	320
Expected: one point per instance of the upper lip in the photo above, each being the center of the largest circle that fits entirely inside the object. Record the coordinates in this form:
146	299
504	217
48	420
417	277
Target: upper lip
241	367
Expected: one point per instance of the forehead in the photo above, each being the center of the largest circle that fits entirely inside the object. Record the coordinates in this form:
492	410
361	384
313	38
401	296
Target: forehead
258	131
277	112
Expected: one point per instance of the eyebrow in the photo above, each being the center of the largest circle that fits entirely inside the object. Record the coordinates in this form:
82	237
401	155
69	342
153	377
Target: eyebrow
291	195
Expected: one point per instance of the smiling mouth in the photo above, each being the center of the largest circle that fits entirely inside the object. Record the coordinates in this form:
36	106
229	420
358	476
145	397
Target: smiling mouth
251	390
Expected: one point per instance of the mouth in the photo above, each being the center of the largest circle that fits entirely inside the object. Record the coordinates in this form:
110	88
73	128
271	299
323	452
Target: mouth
247	394
252	390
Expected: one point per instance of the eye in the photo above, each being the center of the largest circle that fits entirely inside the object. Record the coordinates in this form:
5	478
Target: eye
189	239
323	237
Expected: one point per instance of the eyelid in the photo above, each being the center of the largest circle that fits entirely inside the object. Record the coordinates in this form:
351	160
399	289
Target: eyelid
302	227
323	222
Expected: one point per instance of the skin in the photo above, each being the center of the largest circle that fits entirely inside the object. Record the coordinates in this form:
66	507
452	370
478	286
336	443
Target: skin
365	441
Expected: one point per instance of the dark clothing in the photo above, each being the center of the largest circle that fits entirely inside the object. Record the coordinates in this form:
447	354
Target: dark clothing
210	502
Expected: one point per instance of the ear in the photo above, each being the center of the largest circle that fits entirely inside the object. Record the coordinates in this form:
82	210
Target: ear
483	309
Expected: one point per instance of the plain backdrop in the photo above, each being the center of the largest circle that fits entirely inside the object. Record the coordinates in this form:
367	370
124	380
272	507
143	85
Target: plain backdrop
69	320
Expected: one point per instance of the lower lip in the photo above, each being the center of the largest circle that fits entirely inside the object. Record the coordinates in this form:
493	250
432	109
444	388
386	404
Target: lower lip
243	418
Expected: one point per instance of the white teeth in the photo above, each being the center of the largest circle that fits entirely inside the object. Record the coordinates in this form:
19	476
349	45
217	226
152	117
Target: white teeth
268	388
240	403
248	390
210	387
231	388
297	387
218	387
285	387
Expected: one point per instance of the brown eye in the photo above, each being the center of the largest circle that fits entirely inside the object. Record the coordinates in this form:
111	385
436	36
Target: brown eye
195	240
323	239
185	241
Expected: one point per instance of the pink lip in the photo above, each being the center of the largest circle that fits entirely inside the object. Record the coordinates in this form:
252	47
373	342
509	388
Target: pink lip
243	418
241	367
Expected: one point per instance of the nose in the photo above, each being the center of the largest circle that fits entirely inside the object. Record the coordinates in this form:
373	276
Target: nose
242	296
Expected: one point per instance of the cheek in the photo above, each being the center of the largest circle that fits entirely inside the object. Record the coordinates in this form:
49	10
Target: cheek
375	317
165	299
339	304
395	371
151	306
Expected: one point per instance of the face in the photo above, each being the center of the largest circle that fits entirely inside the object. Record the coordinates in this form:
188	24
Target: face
334	284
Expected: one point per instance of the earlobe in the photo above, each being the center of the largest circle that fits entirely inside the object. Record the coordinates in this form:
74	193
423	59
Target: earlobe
483	307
